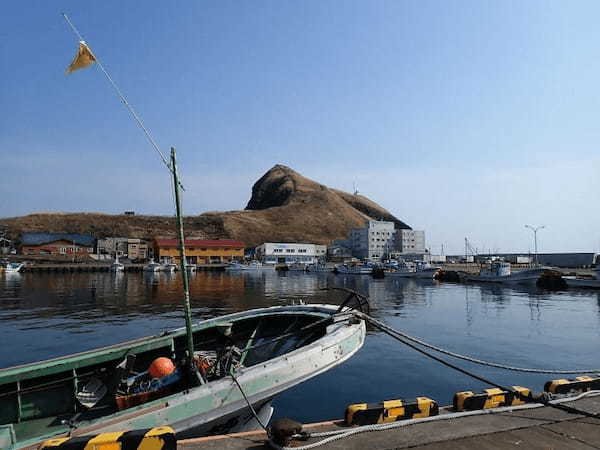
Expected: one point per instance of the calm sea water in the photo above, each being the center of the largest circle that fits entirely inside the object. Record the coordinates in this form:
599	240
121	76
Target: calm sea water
48	315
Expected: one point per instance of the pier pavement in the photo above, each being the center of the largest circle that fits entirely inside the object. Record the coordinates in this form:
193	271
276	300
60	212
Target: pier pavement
540	428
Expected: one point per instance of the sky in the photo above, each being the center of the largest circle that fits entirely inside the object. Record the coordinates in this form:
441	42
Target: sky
463	118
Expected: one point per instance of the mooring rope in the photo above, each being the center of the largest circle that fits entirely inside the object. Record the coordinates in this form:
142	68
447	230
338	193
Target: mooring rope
393	332
533	401
331	436
249	404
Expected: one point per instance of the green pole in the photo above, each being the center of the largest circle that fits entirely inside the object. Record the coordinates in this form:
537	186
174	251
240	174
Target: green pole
183	266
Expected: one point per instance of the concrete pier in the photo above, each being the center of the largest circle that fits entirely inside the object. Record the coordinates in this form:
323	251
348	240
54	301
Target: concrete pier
91	267
540	428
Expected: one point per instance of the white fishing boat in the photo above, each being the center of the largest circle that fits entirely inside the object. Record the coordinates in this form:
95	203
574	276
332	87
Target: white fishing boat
191	267
13	267
169	267
153	266
297	267
116	266
357	269
252	265
500	272
318	268
417	269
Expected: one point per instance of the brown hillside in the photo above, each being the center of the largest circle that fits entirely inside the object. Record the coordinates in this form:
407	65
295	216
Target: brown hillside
285	207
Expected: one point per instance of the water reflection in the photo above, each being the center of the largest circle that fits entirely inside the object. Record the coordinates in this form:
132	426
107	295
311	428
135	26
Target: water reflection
47	315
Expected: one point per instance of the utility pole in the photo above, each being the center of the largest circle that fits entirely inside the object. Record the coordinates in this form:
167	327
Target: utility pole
535	230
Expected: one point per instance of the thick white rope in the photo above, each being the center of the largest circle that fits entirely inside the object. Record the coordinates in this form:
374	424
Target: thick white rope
390	330
341	434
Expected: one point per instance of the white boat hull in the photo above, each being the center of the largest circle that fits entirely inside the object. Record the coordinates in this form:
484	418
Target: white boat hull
250	268
13	268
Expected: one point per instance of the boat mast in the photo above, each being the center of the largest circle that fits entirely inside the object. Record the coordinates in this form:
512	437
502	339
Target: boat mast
183	265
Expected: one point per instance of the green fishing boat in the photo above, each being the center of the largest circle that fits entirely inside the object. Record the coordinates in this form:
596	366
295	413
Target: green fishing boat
265	350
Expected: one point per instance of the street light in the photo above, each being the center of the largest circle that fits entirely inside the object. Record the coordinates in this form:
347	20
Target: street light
535	230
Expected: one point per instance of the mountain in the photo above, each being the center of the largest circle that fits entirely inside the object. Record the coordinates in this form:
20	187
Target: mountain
285	207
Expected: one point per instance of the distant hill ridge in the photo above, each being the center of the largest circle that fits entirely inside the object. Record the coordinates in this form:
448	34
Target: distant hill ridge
285	207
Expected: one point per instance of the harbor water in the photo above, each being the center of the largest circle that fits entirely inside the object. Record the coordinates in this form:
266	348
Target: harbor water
45	315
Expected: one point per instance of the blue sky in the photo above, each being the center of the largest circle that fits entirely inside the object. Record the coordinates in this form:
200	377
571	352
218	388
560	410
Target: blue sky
462	118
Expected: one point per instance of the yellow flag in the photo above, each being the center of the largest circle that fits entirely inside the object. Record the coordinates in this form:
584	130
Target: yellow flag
84	58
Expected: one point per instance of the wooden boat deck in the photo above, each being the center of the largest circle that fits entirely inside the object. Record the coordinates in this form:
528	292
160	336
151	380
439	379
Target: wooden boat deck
541	428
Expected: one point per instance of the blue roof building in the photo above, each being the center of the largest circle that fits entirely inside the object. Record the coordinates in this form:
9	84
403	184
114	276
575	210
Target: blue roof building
36	239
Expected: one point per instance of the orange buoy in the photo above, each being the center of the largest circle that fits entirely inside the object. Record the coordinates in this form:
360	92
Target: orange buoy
161	367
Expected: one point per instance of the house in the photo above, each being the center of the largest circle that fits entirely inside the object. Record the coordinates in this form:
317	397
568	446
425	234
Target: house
199	251
56	244
5	246
112	246
339	251
134	249
137	249
273	253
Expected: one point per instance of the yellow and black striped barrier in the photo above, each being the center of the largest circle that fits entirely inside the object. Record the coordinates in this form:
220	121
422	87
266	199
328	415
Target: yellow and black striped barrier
489	398
390	411
579	384
158	438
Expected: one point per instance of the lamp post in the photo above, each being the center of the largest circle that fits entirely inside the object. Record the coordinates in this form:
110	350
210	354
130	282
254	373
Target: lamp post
535	230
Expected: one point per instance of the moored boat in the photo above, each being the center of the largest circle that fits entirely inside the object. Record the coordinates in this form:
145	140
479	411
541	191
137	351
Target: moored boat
357	269
297	267
413	270
13	267
116	266
267	350
152	266
169	267
587	283
252	265
500	272
318	268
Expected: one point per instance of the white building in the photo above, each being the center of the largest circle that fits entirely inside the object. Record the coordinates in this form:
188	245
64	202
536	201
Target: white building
410	241
375	241
273	253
